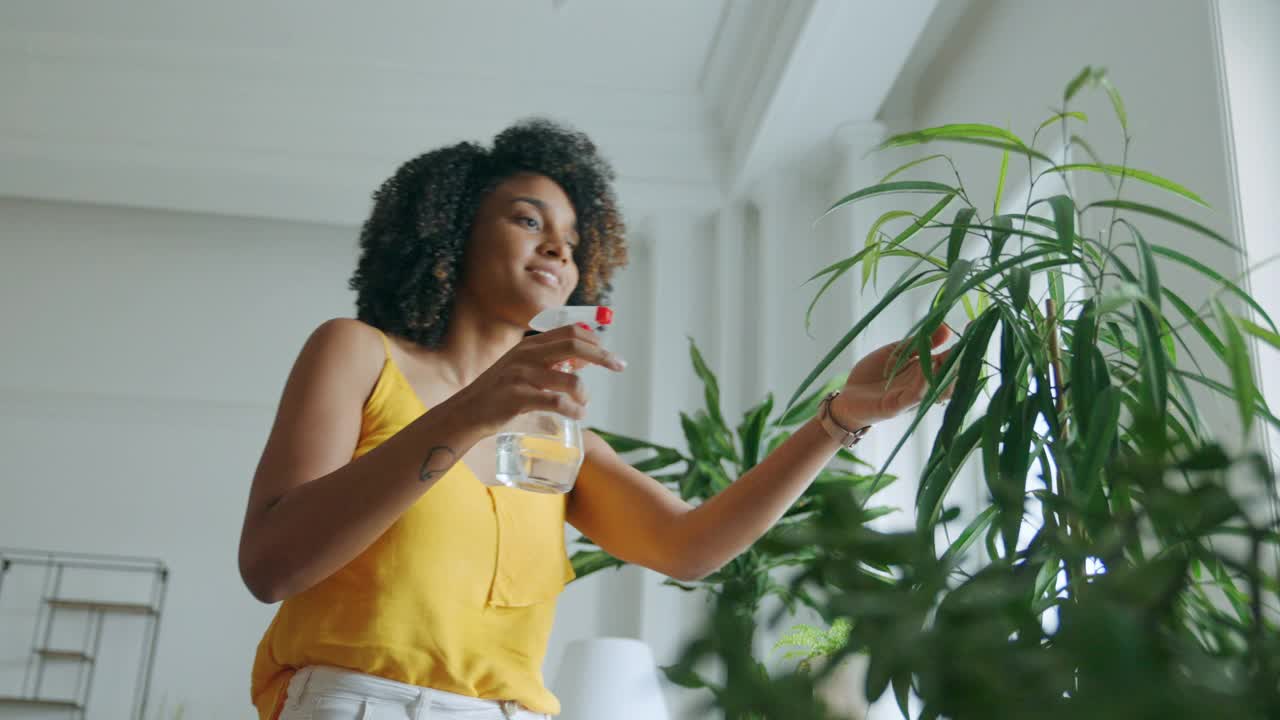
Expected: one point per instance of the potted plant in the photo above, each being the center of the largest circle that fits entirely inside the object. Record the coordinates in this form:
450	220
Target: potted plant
716	456
1124	564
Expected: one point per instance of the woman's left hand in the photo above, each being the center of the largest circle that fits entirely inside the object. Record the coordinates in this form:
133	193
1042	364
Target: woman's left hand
871	396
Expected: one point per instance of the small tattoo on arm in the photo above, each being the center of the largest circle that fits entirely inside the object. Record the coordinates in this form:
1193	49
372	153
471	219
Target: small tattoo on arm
439	460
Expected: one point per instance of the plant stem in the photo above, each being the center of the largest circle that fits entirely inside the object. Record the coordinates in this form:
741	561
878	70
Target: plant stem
1055	360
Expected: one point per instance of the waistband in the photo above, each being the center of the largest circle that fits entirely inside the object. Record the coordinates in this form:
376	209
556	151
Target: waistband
337	681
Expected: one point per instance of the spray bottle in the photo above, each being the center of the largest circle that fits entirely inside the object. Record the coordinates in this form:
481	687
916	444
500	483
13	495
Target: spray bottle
542	451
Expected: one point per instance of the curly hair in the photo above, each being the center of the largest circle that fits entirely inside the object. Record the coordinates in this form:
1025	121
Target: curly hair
412	245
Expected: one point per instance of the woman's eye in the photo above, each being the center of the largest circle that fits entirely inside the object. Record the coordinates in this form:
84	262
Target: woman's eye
528	222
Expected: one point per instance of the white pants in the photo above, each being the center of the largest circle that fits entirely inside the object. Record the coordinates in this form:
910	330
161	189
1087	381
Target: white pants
325	693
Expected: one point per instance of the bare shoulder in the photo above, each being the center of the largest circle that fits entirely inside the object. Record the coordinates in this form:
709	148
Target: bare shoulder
340	353
595	446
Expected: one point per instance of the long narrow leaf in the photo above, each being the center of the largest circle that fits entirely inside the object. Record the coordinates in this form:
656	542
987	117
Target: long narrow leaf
968	536
711	388
856	330
903	168
1162	214
1263	334
901	186
1116	102
1238	364
806	408
1004	172
1059	117
873	240
991	142
1076	83
1212	274
1128	172
959	230
623	444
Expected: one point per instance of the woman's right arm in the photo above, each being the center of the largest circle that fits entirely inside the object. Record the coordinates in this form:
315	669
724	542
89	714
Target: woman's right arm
312	509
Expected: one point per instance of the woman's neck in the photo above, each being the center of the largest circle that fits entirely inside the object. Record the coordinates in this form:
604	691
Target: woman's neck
473	343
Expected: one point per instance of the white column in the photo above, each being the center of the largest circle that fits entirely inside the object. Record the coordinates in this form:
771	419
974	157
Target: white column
682	295
730	329
766	287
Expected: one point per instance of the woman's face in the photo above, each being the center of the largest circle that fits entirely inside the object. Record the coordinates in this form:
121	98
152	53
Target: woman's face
519	259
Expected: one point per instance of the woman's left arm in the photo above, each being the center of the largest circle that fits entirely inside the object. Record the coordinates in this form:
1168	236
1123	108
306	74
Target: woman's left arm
636	519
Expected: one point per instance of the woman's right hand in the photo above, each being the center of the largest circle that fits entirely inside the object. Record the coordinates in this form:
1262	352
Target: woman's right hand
525	379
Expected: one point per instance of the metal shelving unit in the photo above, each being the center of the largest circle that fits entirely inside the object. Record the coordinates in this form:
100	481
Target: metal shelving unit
54	604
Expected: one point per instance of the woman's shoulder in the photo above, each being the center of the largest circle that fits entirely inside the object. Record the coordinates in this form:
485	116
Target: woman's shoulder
348	347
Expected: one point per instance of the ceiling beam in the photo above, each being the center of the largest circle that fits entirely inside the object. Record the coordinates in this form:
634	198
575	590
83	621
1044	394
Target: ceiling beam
818	65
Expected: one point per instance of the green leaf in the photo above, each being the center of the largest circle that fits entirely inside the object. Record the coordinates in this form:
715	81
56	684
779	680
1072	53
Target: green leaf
1263	334
901	186
1064	219
959	229
1103	423
662	459
699	443
902	692
878	675
995	143
808	407
908	166
956	276
941	474
1128	172
1238	364
873	240
1163	215
922	221
835	270
1209	272
586	562
840	266
956	131
711	387
1093	155
1076	83
684	676
1116	102
1059	117
751	431
1149	274
622	444
835	352
1004	172
1154	360
969	536
1210	338
1002	226
1019	287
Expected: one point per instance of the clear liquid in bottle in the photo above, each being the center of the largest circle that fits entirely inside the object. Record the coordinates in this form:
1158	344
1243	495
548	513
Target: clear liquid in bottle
538	463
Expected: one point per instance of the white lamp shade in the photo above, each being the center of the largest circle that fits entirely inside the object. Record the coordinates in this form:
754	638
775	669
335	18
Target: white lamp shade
613	678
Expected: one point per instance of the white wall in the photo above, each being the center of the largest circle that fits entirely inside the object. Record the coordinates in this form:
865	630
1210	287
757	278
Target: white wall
1251	52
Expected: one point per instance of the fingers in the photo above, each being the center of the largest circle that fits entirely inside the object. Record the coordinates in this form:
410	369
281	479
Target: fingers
941	335
573	343
556	381
532	398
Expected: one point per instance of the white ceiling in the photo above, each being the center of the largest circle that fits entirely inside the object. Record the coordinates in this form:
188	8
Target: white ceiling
299	109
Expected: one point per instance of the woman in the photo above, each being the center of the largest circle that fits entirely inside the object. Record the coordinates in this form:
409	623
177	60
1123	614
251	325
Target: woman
409	588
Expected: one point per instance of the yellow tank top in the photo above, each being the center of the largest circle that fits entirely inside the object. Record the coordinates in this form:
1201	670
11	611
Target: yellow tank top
458	595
